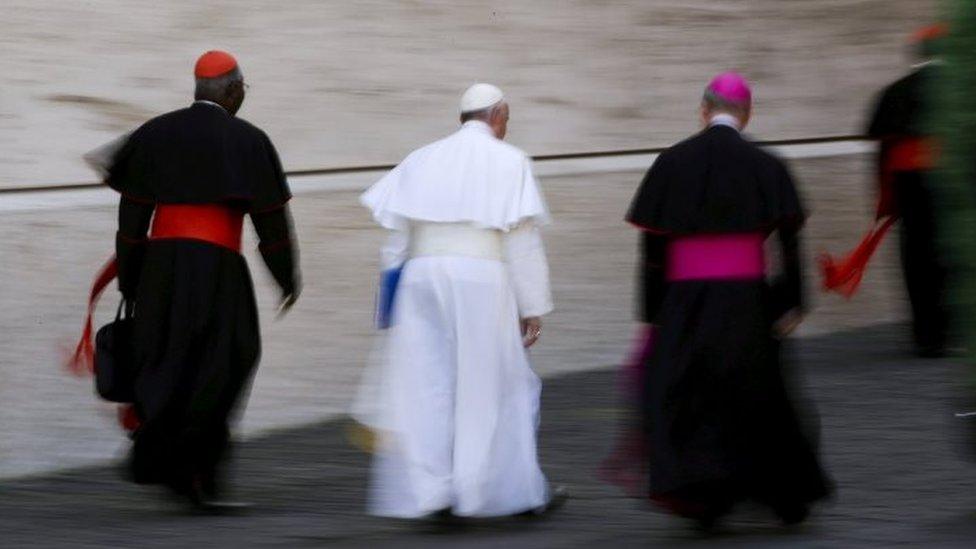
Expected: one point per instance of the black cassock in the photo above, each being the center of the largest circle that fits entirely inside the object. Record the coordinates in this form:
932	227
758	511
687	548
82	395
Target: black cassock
899	118
196	335
721	424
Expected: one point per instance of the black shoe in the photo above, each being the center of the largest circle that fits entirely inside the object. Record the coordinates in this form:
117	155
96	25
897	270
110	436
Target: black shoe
217	506
205	501
444	515
709	519
707	523
931	352
794	514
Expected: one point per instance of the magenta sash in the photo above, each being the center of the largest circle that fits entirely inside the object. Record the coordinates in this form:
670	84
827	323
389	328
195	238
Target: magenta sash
716	257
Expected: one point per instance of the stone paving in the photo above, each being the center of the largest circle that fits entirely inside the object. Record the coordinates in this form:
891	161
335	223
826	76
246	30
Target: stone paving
887	435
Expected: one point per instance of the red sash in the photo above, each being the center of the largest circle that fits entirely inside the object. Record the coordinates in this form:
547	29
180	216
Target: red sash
213	223
910	154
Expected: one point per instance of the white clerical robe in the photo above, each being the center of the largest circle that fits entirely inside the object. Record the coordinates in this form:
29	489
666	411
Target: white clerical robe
454	401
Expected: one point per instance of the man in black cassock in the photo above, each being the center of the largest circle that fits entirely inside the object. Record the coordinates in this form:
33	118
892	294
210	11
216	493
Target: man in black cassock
196	172
905	163
720	424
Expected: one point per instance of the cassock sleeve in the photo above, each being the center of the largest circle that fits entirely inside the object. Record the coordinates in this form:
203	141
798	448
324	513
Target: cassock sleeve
652	282
279	248
272	191
787	287
130	243
528	269
645	210
789	211
882	127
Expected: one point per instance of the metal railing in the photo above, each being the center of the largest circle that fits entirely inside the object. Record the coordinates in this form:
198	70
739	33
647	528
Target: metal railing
537	158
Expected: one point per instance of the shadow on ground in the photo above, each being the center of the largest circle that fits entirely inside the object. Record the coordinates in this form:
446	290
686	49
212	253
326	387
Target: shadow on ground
888	439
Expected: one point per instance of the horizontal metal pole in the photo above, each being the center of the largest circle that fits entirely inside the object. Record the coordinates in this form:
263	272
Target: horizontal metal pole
384	167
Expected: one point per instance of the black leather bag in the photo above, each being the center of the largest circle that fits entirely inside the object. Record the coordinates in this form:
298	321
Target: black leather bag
114	363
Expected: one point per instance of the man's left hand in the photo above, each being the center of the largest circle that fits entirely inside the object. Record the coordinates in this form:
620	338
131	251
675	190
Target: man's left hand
531	330
286	304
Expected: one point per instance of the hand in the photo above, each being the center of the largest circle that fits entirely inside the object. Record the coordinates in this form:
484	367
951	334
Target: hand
787	323
531	330
287	301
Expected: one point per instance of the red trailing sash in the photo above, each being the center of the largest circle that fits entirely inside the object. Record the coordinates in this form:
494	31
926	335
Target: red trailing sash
214	223
83	360
844	276
904	155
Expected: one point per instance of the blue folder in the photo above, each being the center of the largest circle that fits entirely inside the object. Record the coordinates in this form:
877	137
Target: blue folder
389	280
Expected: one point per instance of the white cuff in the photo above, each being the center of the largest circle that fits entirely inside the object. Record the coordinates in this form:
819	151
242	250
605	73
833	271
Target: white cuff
528	270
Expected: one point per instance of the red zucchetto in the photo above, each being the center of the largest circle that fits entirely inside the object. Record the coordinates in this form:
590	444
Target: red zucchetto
929	33
214	63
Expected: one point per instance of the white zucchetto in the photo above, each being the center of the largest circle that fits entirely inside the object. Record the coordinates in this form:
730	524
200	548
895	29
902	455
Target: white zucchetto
480	96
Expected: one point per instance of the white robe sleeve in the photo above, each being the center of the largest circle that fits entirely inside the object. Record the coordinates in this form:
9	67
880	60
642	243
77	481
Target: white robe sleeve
394	251
525	257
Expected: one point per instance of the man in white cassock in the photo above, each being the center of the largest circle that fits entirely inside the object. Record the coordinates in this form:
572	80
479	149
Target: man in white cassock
457	404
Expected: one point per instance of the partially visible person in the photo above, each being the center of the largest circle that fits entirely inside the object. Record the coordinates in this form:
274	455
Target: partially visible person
457	406
907	157
905	163
721	425
187	179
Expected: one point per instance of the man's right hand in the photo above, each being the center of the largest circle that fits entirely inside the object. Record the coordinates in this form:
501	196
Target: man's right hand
785	325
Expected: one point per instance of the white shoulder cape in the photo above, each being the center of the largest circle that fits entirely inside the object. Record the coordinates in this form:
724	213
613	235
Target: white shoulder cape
467	177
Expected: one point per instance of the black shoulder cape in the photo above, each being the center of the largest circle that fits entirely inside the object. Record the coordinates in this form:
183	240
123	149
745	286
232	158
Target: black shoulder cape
900	109
716	182
197	155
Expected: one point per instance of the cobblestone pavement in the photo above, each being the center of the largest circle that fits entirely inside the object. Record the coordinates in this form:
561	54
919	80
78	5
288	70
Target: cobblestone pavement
888	440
